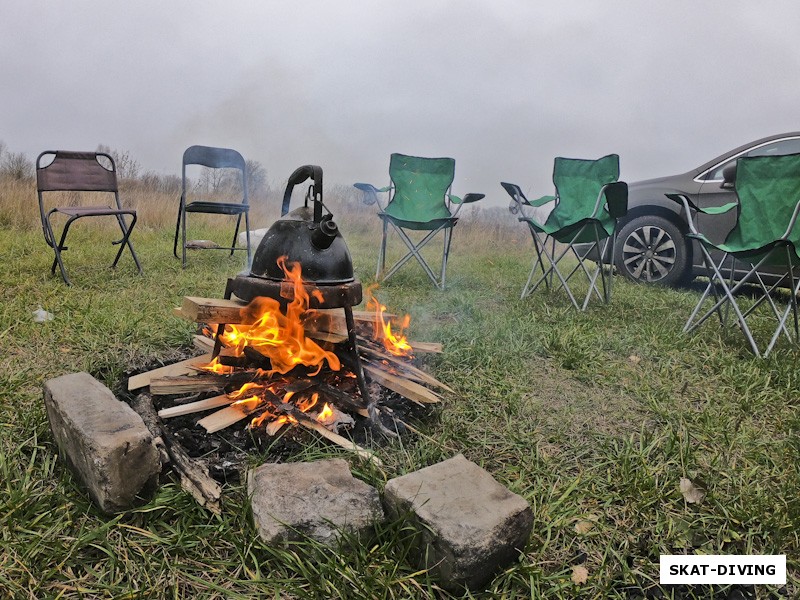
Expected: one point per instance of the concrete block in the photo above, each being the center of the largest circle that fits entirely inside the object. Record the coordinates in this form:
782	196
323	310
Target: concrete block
317	500
103	440
468	525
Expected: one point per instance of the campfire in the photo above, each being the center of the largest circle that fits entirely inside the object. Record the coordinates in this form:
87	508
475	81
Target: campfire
285	347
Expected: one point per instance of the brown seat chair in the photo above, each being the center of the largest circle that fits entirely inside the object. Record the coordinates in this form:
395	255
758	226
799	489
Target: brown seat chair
80	172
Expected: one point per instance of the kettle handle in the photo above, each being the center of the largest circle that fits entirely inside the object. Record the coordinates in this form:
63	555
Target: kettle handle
299	176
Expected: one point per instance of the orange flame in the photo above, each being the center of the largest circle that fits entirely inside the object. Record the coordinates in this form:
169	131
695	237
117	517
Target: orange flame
215	367
307	404
280	337
396	344
326	414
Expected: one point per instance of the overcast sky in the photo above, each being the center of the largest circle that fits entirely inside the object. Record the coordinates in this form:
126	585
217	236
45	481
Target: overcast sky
501	86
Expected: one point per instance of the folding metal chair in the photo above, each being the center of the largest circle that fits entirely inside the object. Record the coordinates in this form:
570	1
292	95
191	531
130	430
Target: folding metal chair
80	172
768	202
588	202
420	200
213	158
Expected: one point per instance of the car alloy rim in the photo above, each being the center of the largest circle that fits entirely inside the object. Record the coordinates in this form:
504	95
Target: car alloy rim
648	253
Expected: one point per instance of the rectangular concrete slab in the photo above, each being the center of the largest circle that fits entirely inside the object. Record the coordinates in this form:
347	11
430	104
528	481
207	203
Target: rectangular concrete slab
468	525
102	439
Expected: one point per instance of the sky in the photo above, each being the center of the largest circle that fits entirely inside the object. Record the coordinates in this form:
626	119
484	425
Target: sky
501	86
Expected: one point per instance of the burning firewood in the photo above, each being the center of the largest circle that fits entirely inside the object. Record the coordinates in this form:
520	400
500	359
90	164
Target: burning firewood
288	359
193	473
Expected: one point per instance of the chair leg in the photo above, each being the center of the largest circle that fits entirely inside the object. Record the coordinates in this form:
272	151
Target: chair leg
539	247
448	236
414	250
177	231
247	229
126	241
728	298
236	233
57	248
183	239
382	252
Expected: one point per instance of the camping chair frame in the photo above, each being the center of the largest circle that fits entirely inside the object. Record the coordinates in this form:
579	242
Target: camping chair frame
213	158
727	299
441	223
612	197
80	172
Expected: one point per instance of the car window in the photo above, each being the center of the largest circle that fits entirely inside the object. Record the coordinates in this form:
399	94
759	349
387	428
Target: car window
778	148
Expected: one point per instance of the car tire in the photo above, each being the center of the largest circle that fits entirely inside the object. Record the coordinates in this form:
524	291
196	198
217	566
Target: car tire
652	249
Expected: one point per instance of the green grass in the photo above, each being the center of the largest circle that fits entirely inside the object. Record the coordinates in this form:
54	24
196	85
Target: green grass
590	416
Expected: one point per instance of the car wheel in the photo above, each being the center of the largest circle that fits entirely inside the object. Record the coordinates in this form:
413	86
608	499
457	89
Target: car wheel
652	249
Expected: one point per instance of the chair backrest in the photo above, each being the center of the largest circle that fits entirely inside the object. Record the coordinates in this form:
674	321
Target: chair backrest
768	189
215	158
578	183
421	186
75	171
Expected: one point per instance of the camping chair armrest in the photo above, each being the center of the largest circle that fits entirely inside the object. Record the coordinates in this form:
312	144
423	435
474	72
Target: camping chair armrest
466	199
540	201
453	199
371	193
690	206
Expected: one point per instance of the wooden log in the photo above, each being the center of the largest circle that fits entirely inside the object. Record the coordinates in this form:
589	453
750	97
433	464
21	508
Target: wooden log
193	473
183	367
193	407
408	389
212	310
188	384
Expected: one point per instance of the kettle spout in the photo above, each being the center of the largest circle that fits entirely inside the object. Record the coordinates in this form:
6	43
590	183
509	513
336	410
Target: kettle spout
325	233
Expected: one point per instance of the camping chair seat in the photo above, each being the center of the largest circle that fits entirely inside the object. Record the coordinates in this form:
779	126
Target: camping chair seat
588	202
768	202
213	158
420	200
80	172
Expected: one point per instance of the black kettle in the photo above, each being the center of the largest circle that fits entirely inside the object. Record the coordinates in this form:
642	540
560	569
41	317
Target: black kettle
306	236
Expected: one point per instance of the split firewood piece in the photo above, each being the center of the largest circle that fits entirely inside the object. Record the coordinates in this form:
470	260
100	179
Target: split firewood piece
228	416
193	473
405	367
339	440
406	388
193	407
180	368
332	320
426	347
203	343
187	384
326	336
212	310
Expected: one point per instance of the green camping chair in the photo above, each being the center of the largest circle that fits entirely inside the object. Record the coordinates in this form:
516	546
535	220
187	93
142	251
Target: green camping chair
768	193
420	200
587	204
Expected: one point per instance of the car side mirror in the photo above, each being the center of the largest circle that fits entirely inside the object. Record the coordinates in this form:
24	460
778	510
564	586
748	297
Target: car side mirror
729	175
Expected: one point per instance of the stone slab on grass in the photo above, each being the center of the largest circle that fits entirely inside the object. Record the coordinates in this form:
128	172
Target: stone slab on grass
316	500
468	526
103	440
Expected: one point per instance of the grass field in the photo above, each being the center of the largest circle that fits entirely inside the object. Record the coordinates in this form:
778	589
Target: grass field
592	417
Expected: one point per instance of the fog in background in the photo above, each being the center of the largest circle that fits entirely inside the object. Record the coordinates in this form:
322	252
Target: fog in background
501	86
